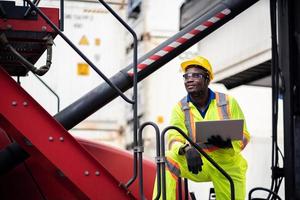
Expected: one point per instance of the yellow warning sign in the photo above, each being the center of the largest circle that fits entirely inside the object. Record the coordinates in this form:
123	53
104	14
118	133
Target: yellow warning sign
160	119
83	69
84	40
97	41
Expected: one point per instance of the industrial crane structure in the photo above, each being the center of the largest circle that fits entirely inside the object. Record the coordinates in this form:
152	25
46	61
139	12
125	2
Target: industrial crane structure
40	159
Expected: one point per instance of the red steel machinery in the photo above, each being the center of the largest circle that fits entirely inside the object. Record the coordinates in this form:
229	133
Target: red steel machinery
40	159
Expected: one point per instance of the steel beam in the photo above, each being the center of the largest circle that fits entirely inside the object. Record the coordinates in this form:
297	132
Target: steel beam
41	136
150	62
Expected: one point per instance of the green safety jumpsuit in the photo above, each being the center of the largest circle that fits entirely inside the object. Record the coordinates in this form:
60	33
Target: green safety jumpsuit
184	116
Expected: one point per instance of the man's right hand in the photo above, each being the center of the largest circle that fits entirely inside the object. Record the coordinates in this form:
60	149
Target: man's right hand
193	159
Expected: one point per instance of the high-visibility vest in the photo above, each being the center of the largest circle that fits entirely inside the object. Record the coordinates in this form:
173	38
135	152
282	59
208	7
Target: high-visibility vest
221	103
223	111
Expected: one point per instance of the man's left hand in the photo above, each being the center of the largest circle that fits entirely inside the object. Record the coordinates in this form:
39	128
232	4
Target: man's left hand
218	141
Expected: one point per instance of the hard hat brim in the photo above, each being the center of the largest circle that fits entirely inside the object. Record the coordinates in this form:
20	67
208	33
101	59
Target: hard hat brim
184	65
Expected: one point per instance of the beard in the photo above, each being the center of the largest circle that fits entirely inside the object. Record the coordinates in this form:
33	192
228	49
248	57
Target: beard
198	94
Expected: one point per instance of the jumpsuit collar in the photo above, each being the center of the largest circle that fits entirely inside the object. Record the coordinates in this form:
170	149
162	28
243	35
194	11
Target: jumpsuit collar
203	112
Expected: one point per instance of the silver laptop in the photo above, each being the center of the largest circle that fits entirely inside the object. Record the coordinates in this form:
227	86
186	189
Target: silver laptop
227	129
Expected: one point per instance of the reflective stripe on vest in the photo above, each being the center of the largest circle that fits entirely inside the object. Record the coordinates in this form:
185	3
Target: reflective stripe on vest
222	104
187	117
173	167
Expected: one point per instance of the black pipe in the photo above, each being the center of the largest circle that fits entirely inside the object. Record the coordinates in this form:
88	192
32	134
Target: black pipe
62	15
11	156
196	146
276	196
103	94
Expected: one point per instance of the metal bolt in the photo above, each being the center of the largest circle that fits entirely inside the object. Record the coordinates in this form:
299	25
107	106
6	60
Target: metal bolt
86	173
44	28
8	27
50	138
97	173
61	139
14	103
33	13
25	103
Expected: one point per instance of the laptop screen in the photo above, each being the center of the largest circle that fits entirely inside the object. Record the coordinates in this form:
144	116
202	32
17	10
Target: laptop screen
227	129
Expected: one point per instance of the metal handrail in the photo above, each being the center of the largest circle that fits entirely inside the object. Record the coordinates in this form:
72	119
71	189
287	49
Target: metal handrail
135	108
196	146
140	149
51	90
112	85
135	117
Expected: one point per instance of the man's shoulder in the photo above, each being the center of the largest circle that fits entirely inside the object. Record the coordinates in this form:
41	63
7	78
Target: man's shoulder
229	98
181	102
184	99
223	93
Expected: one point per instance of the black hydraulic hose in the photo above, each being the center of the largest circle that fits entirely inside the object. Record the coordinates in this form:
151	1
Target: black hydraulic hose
39	71
275	183
112	85
274	73
264	189
196	146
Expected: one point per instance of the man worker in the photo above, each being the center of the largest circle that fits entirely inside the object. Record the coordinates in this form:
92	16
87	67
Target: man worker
201	104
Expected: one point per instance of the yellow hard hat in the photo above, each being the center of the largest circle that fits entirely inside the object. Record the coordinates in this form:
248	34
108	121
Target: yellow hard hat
200	61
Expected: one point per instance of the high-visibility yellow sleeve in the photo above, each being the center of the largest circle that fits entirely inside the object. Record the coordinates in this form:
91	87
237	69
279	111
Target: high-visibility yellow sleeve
237	113
175	140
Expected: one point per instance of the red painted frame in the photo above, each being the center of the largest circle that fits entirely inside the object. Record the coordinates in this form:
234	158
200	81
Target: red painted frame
39	25
52	146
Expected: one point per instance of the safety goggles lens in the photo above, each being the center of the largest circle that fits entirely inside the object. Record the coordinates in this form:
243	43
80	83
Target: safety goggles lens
193	76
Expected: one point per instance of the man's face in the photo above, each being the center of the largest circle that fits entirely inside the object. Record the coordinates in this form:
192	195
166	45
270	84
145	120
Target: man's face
195	81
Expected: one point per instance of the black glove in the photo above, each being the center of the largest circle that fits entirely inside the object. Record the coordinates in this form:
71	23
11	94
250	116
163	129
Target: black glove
193	160
217	141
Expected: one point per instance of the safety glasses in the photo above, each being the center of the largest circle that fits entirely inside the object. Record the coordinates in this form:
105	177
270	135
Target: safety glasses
187	76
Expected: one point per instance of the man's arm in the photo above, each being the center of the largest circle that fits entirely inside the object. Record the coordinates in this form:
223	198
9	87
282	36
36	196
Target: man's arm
175	139
237	113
